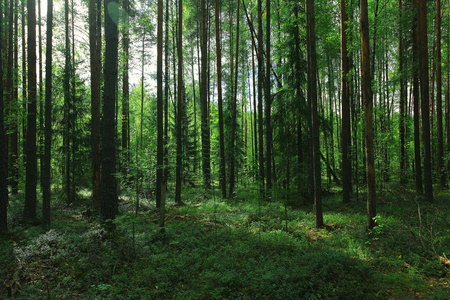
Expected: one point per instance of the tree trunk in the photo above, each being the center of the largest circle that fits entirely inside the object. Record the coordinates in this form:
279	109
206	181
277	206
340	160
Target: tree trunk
346	131
67	106
3	150
108	185
95	59
159	107
125	84
439	110
268	103
368	108
424	97
31	162
46	170
415	47
179	103
222	175
402	121
312	98
234	110
260	98
206	163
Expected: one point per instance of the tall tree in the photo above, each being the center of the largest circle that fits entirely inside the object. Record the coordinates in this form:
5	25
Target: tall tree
312	99
268	106
439	110
10	84
3	150
222	175
159	107
29	211
416	95
46	173
206	163
402	104
125	81
108	184
234	107
260	97
179	103
67	106
95	59
368	113
424	98
345	86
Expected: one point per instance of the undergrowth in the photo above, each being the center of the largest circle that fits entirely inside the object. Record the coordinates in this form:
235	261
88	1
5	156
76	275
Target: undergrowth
241	248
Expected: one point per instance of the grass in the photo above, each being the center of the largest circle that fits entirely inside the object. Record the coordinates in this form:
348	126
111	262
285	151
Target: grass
241	248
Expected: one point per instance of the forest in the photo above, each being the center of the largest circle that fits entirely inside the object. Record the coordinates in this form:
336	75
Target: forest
239	149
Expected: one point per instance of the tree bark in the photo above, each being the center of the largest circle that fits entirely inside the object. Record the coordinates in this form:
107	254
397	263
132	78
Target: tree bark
31	163
125	83
416	95
346	131
206	160
95	60
222	175
108	185
439	110
402	104
368	114
312	98
424	97
268	104
179	104
260	99
46	170
3	150
159	107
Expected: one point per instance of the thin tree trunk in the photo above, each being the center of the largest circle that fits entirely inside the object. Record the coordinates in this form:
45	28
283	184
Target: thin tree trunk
125	84
159	104
424	97
108	184
179	103
31	163
368	108
234	109
260	98
417	155
268	103
402	121
312	98
3	150
222	175
346	131
46	170
206	163
440	129
67	106
95	59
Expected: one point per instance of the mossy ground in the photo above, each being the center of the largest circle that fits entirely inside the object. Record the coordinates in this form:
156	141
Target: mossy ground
241	248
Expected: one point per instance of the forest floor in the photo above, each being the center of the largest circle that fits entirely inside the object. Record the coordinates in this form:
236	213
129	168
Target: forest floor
242	248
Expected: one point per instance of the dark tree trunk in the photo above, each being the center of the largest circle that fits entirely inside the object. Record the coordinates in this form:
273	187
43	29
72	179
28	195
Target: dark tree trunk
222	176
29	211
439	110
234	108
179	103
346	132
125	84
416	95
46	170
95	59
368	115
206	164
67	106
268	103
166	98
424	97
402	121
312	98
260	98
159	104
3	150
108	185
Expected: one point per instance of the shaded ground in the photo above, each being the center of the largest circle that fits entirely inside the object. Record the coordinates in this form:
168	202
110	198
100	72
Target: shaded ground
240	248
